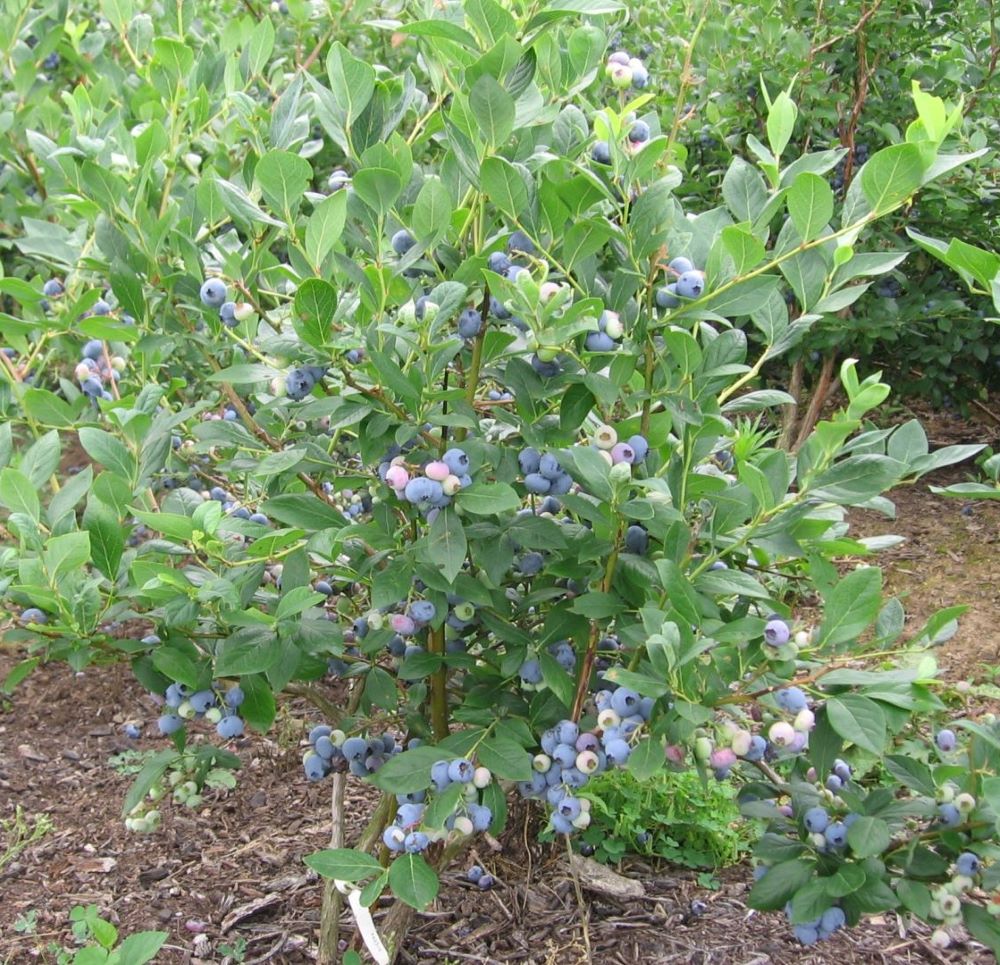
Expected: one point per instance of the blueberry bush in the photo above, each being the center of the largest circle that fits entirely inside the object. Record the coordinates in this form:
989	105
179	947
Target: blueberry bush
390	363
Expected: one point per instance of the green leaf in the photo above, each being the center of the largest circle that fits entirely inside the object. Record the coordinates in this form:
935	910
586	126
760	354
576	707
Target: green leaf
409	771
911	773
107	541
304	510
65	554
810	204
18	494
868	837
413	881
139	948
891	176
315	303
247	374
488	499
858	720
446	544
780	884
283	178
343	864
352	82
47	408
983	926
780	123
325	226
493	109
258	708
505	758
851	606
240	205
432	212
505	186
108	450
646	759
151	772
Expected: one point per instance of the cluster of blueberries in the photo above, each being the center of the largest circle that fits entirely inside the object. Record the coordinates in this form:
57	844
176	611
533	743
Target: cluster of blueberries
570	756
186	705
214	294
625	71
561	651
690	283
332	751
469	815
609	333
439	480
861	154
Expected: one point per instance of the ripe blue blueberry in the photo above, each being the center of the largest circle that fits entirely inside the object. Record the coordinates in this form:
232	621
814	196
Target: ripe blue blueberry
212	294
421	611
202	700
816	820
169	723
806	934
439	775
497	308
321	586
474	874
298	384
946	740
639	132
53	288
338	179
601	152
232	726
530	564
600	342
33	615
457	461
470	323
639	446
481	816
836	834
967	864
791	699
355	748
415	842
680	265
547	370
776	633
131	731
486	882
94	349
520	243
625	702
831	920
402	241
498	262
666	297
314	767
691	284
537	484
461	771
227	314
618	751
636	540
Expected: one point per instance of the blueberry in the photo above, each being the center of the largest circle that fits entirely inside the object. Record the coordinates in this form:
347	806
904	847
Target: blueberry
680	265
530	564
537	484
529	460
474	874
601	152
691	284
202	701
470	323
520	243
498	262
480	816
314	767
836	834
457	461
548	467
946	740
639	446
806	934
967	864
231	726
624	701
415	842
338	179
131	731
227	314
776	633
33	615
816	820
355	748
600	342
497	309
639	132
212	294
636	540
53	288
461	771
402	241
421	611
666	297
169	723
791	699
531	672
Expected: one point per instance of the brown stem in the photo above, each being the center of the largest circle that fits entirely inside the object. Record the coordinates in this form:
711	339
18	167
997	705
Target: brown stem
816	402
789	412
329	922
587	666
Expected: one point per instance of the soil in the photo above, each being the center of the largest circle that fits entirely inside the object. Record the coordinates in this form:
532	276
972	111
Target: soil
232	870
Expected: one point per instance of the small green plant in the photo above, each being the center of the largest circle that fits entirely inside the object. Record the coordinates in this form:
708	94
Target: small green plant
27	923
676	816
19	832
100	941
237	951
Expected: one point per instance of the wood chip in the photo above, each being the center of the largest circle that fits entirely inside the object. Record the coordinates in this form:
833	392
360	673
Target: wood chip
597	877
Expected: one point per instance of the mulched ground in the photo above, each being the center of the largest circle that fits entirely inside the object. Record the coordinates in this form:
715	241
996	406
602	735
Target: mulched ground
233	869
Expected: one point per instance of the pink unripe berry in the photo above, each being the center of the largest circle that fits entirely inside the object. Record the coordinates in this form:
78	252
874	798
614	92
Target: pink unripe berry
397	477
438	471
675	753
722	758
785	810
621	76
402	624
781	733
547	290
799	742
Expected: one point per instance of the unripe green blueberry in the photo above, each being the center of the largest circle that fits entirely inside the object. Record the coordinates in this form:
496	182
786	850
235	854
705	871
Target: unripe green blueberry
338	737
740	742
541	762
213	715
950	906
483	777
194	800
186	711
547	353
613	327
620	472
965	803
464	611
621	76
608	718
463	825
781	733
582	820
702	749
